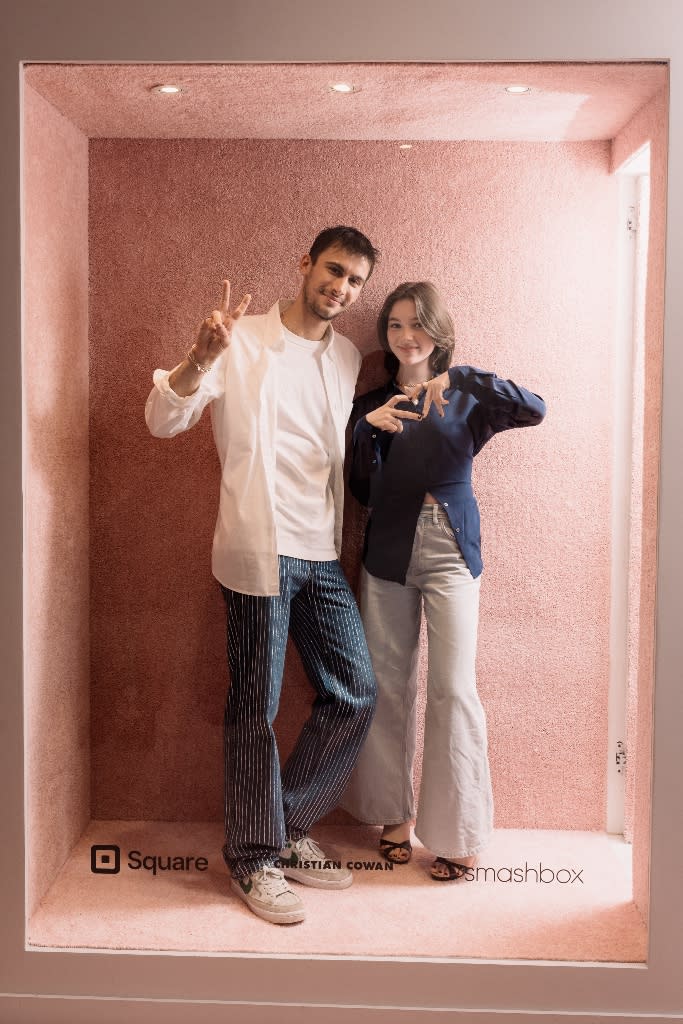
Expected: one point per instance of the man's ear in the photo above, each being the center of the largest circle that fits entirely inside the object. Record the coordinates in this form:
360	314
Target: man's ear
305	263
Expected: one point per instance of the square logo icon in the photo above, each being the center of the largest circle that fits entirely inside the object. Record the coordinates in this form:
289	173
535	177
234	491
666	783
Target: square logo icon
105	860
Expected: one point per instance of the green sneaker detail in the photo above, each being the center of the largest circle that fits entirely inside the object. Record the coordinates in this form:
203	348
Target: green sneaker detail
268	895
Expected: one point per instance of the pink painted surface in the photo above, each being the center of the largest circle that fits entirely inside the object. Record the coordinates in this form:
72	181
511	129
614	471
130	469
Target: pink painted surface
568	102
650	125
57	576
520	239
546	896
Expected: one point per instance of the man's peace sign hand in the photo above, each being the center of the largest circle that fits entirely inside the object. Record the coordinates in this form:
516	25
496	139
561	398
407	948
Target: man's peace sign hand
215	333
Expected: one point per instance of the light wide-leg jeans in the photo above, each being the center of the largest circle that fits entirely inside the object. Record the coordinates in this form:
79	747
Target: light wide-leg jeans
455	810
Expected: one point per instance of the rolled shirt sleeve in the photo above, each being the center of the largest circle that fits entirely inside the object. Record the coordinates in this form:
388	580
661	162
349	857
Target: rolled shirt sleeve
168	414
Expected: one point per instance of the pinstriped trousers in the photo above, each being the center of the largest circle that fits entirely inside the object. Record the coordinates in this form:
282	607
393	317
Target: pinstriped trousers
264	805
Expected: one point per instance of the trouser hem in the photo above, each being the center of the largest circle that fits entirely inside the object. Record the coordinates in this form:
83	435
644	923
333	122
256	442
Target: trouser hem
242	868
449	855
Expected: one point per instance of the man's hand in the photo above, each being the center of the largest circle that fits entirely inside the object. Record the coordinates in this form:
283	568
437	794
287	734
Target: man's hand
434	390
215	333
388	417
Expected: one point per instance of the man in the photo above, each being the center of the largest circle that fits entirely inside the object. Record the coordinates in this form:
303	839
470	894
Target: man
280	388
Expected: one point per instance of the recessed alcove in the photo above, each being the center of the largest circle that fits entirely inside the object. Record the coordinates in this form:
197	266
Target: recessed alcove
135	206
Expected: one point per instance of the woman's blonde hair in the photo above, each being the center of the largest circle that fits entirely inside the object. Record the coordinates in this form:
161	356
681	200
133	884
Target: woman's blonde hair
432	315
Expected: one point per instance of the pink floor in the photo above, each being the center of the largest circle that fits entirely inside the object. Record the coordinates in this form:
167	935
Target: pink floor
581	908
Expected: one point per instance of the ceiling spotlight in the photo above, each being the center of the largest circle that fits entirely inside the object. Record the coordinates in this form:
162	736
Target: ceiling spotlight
167	90
517	90
342	87
406	145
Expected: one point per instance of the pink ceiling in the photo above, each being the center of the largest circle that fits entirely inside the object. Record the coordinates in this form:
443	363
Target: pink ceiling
572	102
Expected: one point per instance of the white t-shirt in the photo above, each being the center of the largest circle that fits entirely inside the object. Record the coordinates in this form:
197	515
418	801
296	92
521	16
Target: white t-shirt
304	504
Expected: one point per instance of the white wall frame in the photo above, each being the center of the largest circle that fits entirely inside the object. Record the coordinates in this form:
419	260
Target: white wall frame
109	987
631	246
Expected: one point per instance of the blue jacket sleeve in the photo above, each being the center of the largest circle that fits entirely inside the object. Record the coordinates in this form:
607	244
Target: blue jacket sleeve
370	446
500	404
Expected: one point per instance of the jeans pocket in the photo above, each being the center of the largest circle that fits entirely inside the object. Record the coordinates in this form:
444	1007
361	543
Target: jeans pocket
455	557
445	527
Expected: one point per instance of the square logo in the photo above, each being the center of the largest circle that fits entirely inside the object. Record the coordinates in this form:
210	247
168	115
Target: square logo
105	860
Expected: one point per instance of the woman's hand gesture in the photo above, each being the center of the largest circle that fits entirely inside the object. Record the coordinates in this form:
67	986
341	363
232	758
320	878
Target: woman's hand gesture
388	417
434	390
215	333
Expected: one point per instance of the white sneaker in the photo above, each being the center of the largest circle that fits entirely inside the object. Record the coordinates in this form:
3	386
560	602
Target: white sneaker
303	860
267	894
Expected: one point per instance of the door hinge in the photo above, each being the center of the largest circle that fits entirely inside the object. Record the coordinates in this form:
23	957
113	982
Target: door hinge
621	757
632	221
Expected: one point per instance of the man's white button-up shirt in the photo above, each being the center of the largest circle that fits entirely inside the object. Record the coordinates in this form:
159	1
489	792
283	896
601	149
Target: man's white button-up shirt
242	390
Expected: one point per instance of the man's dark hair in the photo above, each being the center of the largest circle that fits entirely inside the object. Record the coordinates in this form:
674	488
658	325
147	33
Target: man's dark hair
350	239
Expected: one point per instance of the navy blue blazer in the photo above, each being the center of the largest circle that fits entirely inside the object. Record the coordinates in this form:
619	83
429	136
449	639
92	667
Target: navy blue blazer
391	473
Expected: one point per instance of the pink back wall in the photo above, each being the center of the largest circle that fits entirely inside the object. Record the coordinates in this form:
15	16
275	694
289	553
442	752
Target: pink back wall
520	239
56	485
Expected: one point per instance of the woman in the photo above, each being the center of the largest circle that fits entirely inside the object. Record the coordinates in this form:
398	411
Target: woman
413	446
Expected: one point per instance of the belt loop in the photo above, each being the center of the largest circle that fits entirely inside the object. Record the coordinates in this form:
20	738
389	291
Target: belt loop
435	513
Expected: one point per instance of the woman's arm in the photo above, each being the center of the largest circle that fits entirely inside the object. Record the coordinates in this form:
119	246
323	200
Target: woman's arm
366	457
499	404
506	404
375	421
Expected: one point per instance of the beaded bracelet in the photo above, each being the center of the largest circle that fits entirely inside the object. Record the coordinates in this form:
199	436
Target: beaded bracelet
197	366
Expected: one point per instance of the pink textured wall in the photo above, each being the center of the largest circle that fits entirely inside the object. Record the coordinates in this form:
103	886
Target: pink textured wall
57	579
649	125
520	238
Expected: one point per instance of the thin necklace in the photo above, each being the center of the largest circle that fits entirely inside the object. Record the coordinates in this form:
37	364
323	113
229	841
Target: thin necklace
407	388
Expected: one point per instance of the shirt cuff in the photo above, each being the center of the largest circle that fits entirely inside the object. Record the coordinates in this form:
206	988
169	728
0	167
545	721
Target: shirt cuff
160	379
364	429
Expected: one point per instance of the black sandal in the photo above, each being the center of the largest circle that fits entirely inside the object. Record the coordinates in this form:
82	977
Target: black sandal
453	869
387	848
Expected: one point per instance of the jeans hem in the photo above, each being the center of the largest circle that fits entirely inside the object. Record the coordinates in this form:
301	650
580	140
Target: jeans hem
471	852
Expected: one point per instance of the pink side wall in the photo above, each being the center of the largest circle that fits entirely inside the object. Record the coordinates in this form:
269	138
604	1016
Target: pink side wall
649	125
520	238
56	487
